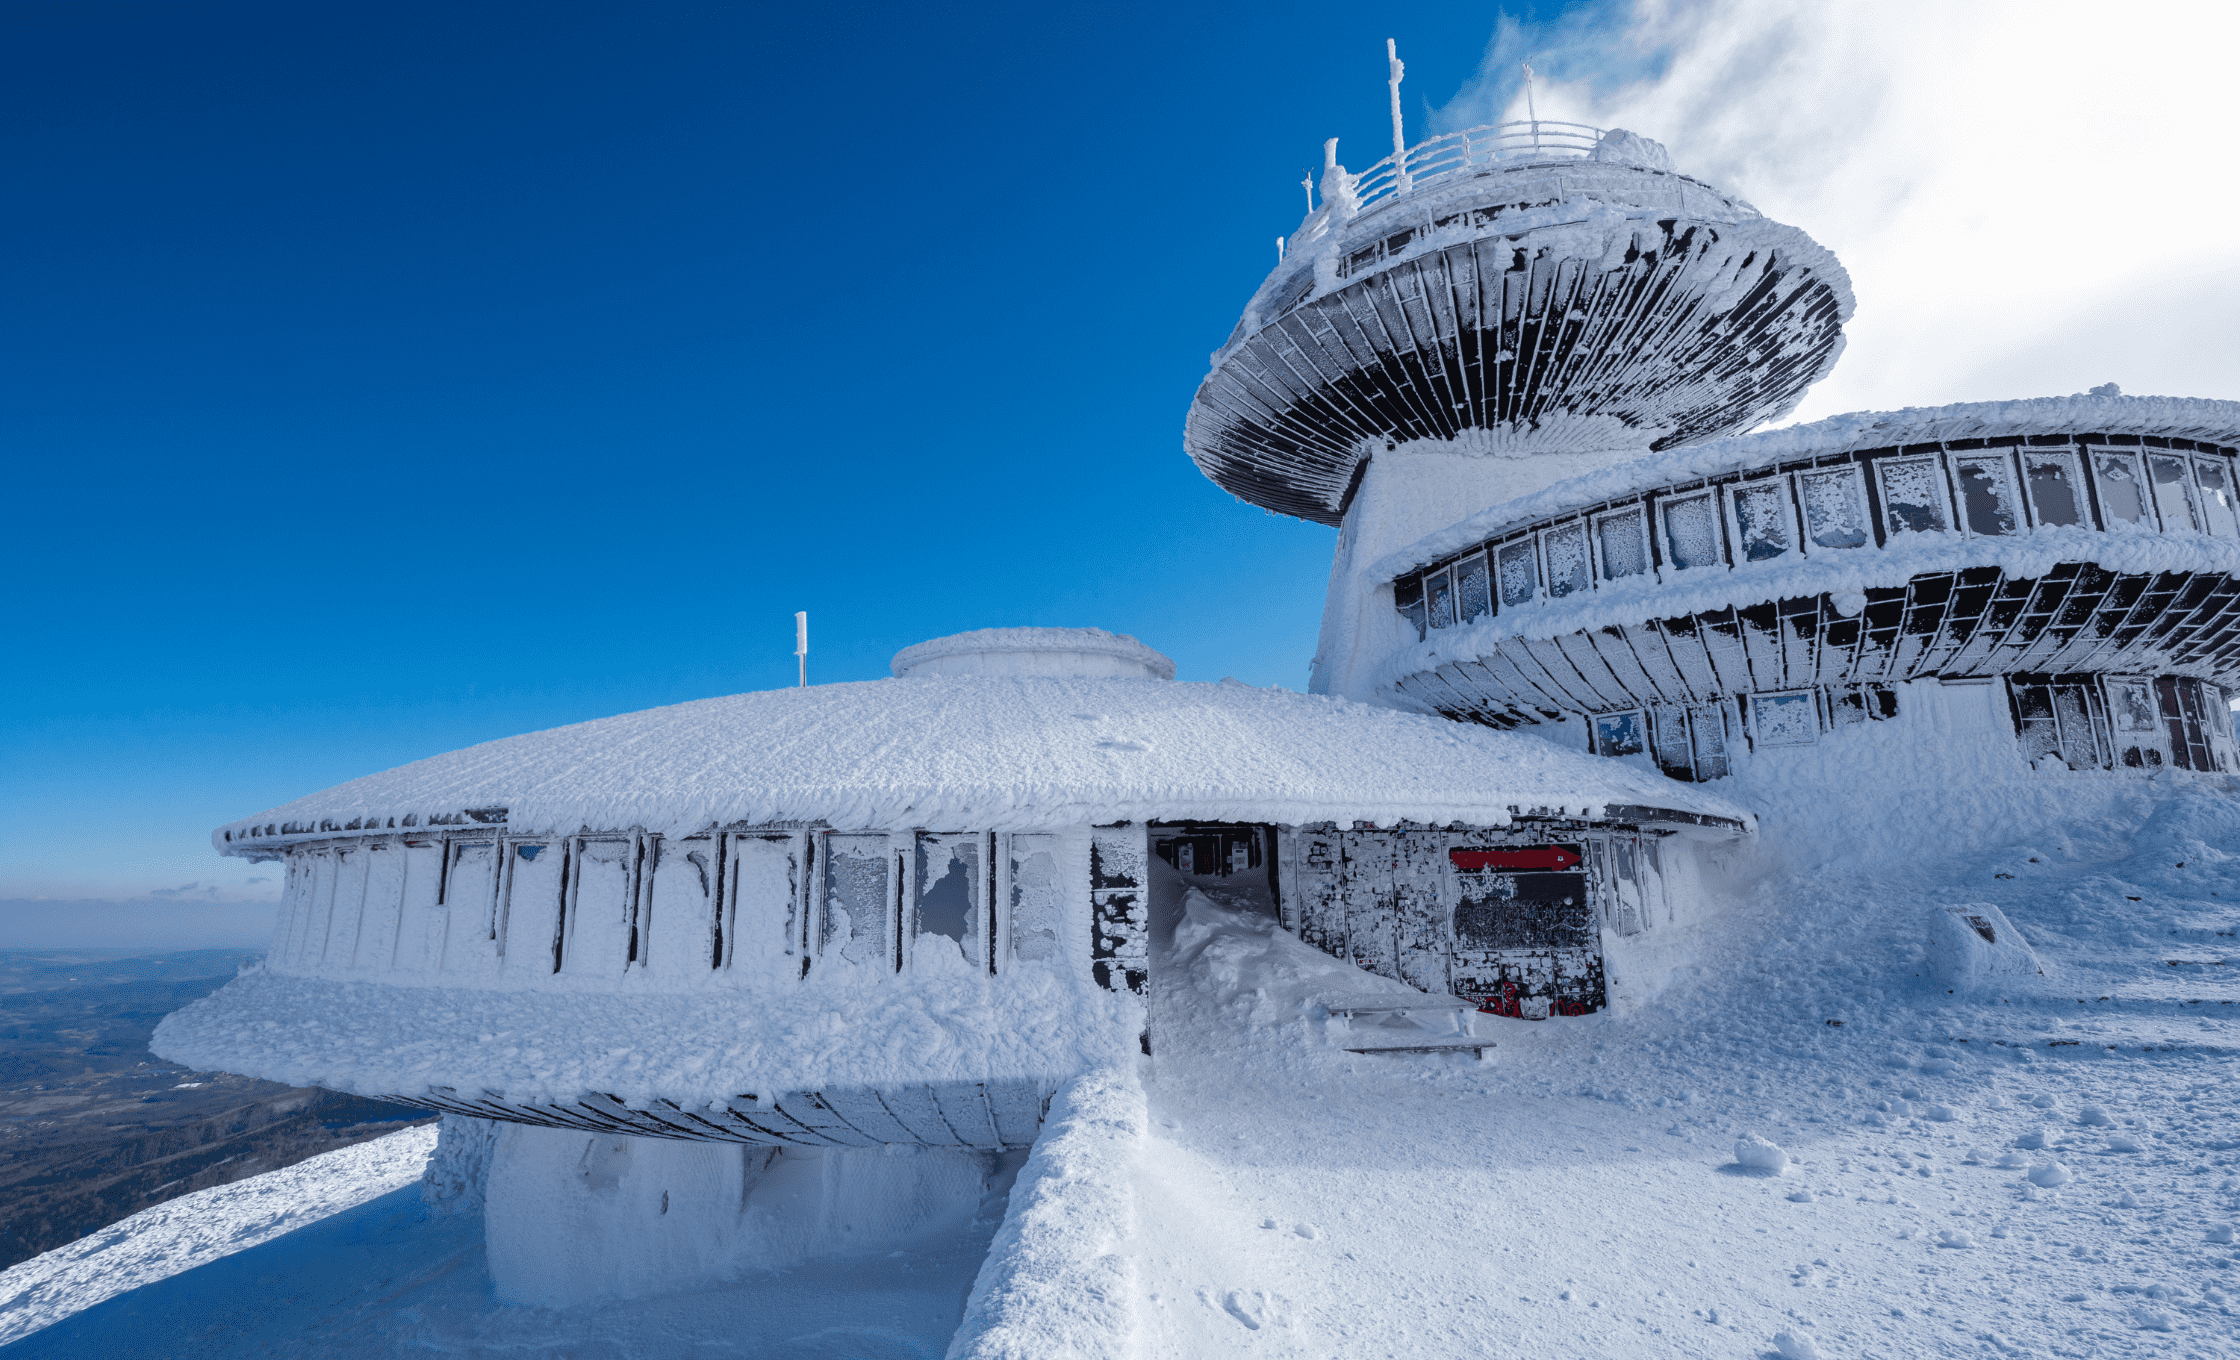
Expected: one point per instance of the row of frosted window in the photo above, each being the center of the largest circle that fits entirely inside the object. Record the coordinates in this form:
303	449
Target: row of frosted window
765	903
1694	741
1975	488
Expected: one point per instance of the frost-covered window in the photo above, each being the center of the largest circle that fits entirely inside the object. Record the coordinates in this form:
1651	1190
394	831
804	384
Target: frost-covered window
859	898
2054	495
1473	595
2216	497
1707	725
470	897
1407	597
1835	507
534	887
2173	490
1913	495
1691	532
2061	723
1622	540
2123	497
949	895
2133	703
758	927
1786	719
1764	524
1668	729
1438	593
1037	897
1565	547
1988	505
601	929
1619	734
1520	573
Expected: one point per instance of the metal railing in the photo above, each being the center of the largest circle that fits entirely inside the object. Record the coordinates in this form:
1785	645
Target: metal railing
1473	149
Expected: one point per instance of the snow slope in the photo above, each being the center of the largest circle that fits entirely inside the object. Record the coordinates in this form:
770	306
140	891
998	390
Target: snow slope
205	1226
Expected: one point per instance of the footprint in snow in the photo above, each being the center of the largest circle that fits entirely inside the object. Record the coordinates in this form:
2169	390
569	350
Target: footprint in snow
1254	1308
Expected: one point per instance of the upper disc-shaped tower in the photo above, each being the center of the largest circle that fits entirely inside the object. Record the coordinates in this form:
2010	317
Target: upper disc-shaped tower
1522	289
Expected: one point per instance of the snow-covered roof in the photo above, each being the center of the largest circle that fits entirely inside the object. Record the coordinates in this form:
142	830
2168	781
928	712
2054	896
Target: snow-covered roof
989	753
2196	418
1033	651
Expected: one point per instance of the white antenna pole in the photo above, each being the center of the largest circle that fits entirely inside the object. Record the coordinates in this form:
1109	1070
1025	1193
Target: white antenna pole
1308	184
801	643
1279	250
1532	110
1395	69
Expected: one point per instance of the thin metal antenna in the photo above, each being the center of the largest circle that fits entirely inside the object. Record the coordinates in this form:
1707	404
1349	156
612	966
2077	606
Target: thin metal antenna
801	643
1531	110
1395	70
1308	185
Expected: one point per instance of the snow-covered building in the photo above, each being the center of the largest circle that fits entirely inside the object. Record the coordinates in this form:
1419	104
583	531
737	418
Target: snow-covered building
905	911
1515	366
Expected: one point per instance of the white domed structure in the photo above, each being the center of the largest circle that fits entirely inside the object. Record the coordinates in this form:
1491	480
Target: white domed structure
636	924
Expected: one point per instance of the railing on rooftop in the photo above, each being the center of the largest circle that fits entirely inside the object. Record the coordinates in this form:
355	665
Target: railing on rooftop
1474	149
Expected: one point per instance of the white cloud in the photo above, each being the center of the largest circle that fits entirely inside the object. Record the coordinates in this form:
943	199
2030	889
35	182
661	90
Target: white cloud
2031	198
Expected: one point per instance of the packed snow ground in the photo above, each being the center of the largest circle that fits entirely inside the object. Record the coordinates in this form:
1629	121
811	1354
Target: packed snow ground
2047	1172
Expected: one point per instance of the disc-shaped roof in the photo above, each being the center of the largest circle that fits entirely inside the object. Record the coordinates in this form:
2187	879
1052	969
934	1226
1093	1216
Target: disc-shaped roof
988	753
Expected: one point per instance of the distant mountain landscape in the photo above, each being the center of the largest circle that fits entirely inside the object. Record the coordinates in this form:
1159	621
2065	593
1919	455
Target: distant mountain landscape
94	1127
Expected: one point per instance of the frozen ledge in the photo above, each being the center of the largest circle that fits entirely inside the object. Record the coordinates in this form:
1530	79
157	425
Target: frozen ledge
1056	1281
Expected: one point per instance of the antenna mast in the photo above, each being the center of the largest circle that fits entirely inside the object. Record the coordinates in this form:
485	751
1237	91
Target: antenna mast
801	643
1531	110
1395	69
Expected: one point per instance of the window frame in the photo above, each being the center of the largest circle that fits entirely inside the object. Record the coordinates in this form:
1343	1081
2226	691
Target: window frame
1785	493
1856	475
2004	461
1940	477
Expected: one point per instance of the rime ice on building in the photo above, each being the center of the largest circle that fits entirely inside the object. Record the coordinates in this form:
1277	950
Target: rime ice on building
750	945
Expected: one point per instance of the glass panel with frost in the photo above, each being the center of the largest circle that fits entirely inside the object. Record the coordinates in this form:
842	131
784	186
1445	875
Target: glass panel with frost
1762	520
1624	543
1835	507
1520	573
1913	495
1439	591
948	896
1691	533
1407	597
858	897
2123	499
2216	497
1619	734
2173	491
1037	897
1790	719
1473	594
2053	480
1566	549
1987	499
2134	705
1707	724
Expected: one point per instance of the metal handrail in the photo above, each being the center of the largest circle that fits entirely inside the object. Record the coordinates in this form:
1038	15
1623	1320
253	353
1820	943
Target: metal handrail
1454	153
1451	153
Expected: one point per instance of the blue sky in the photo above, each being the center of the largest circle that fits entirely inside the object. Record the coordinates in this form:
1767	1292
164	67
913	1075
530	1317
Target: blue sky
380	379
386	378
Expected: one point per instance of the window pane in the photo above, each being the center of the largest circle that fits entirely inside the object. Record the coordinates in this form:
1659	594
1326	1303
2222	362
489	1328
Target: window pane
1835	508
2173	491
2216	497
1913	495
1761	517
1566	547
1691	533
2121	498
1520	574
1407	597
1625	548
2053	488
1786	719
1472	595
1987	496
2134	707
1618	734
1440	592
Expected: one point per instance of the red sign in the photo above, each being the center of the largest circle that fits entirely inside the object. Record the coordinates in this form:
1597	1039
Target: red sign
1530	857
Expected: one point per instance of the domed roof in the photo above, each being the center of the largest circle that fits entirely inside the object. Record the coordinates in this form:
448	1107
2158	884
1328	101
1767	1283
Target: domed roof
1084	652
989	753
